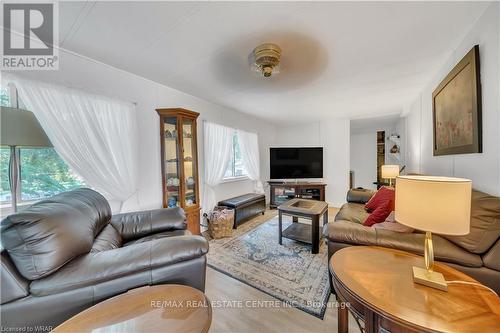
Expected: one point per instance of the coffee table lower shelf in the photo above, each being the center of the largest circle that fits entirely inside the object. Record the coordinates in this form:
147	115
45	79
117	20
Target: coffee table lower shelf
299	232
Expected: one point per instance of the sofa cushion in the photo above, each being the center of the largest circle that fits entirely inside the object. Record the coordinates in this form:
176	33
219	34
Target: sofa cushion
492	258
359	195
444	250
13	285
46	235
484	224
350	233
394	226
353	212
99	267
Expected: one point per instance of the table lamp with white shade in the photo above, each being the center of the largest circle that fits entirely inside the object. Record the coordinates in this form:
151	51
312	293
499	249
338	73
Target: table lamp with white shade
433	204
390	171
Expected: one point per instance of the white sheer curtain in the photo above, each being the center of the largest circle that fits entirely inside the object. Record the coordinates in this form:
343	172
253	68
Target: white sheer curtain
95	135
217	144
249	147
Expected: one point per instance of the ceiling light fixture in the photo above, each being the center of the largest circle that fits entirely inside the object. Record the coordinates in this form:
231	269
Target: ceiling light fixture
267	58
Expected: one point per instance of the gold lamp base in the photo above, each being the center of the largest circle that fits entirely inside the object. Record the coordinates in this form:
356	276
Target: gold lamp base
429	278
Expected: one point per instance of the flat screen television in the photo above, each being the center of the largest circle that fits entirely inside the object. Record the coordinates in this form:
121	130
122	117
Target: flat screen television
293	163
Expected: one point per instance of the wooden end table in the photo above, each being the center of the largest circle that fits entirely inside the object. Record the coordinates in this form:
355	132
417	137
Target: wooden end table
378	284
164	308
311	209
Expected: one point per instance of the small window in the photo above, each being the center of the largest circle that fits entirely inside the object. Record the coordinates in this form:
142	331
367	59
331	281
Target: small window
236	167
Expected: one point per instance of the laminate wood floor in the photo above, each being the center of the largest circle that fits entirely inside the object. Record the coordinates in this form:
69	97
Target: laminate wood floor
258	312
239	308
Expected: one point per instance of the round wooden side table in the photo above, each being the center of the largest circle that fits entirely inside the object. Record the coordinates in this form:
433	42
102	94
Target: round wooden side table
377	283
163	308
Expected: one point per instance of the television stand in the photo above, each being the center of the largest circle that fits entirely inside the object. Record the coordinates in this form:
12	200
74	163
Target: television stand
281	191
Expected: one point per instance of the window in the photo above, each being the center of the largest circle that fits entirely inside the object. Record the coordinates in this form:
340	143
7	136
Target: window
4	97
236	167
42	173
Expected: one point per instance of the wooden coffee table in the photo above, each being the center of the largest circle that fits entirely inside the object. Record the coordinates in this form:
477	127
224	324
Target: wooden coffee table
165	308
378	284
311	209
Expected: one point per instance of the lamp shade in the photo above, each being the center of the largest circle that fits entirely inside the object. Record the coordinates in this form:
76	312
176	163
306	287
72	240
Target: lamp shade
390	171
436	204
21	128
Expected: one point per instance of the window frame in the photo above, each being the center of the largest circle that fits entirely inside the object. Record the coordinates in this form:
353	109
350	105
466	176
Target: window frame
232	162
5	203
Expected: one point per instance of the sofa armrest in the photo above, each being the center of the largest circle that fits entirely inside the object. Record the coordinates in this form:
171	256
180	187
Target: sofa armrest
140	224
359	195
119	265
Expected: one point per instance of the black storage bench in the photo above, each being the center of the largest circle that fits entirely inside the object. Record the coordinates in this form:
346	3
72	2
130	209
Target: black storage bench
245	206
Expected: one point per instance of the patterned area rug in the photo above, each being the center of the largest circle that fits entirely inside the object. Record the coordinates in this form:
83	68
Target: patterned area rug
288	272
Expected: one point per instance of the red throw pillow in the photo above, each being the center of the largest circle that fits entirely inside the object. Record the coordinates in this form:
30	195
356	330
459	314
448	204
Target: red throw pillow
383	194
379	214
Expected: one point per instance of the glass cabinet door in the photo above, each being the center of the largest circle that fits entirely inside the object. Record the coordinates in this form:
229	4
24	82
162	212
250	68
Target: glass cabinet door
171	161
188	141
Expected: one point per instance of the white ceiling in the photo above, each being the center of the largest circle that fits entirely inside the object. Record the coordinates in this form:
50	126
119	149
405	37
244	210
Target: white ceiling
350	59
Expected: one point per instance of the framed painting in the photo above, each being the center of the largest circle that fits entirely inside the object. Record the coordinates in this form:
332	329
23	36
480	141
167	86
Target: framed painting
456	109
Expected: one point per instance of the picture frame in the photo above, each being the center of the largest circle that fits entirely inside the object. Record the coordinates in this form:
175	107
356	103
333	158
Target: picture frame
456	109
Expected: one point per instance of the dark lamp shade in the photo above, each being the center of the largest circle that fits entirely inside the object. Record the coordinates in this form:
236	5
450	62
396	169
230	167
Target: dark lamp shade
21	128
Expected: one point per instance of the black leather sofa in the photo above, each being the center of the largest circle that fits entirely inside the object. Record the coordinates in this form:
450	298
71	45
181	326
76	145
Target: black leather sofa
65	254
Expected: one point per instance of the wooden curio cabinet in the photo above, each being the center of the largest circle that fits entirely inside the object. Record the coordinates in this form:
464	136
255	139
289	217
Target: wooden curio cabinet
179	163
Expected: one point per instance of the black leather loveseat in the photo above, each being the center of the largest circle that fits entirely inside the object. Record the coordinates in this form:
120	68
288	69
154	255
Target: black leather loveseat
67	253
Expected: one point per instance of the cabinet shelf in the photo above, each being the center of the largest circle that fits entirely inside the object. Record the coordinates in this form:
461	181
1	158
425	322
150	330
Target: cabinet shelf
282	192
